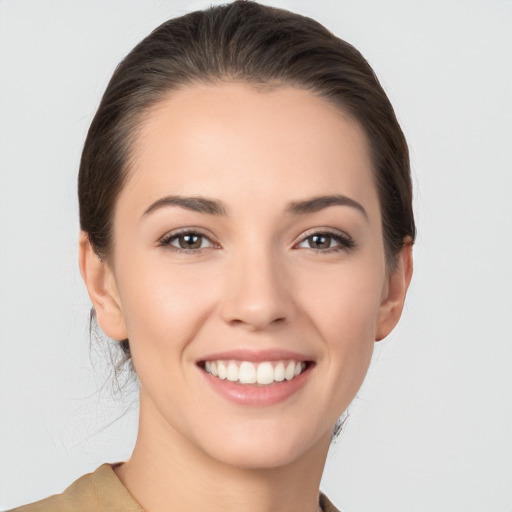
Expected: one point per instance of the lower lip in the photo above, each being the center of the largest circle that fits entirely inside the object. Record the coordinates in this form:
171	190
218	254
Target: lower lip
254	395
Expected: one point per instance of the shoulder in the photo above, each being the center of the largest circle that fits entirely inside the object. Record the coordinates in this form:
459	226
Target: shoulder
100	491
51	503
80	495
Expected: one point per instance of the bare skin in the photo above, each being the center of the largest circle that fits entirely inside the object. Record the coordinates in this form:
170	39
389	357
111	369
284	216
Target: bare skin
285	253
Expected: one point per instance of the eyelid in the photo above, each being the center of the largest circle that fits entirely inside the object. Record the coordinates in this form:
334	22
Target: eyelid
164	241
347	242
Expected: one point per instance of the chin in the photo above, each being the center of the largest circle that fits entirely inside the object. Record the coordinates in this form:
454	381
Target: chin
264	447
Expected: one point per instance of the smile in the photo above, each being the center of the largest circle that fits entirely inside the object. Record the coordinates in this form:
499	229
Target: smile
263	373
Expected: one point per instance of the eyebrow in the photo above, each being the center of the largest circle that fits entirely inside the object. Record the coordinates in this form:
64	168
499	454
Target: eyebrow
215	207
316	204
196	204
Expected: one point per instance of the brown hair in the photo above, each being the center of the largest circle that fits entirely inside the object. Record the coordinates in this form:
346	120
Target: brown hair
242	41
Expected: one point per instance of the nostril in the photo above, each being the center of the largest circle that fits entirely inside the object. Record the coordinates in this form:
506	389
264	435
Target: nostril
254	296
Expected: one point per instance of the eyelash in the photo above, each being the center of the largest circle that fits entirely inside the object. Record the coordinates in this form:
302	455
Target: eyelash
344	241
176	235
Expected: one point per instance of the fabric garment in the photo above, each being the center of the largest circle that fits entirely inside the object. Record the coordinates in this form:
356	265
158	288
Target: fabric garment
102	491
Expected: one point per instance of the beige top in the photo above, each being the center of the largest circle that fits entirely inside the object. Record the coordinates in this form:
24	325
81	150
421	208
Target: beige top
102	491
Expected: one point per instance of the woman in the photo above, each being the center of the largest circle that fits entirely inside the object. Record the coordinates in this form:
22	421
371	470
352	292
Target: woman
245	206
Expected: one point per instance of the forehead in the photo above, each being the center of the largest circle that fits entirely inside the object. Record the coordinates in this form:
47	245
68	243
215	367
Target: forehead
270	142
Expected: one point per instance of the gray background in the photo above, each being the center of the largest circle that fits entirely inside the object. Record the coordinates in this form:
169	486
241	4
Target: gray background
431	428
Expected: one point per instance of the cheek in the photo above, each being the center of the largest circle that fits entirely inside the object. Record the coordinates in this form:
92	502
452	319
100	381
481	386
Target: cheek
163	306
344	311
344	303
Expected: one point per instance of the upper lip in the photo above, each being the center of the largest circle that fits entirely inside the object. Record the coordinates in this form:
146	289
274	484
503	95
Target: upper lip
256	356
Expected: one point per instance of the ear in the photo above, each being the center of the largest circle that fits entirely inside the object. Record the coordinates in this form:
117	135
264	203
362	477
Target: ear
394	293
100	282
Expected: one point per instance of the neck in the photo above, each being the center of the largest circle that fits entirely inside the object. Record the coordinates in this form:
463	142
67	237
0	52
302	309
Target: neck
166	472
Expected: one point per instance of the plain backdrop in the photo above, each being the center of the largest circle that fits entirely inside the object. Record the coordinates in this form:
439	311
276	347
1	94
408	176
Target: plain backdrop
431	429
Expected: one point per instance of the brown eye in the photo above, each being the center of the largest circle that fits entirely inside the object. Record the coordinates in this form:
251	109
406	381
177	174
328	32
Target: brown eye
327	242
319	241
188	241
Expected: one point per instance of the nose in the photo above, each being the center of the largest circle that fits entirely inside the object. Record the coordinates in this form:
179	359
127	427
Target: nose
257	291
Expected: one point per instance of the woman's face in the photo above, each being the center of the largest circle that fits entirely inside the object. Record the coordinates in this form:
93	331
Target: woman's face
248	246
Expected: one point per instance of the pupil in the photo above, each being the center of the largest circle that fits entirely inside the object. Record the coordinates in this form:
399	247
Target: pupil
320	241
190	241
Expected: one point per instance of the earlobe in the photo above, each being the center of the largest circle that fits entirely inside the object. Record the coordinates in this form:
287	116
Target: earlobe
99	280
396	290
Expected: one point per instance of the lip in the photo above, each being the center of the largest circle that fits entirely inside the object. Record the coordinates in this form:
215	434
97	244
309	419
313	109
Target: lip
253	395
255	356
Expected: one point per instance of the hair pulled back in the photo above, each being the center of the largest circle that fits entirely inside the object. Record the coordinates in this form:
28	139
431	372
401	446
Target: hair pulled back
241	41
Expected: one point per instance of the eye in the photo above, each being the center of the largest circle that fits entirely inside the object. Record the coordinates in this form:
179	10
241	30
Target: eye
186	241
327	242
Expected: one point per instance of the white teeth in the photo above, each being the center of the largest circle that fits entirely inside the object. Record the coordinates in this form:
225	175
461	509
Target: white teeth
279	372
232	373
290	371
221	369
263	374
247	373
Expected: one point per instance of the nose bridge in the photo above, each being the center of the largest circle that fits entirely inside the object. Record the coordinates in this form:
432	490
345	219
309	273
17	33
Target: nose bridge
256	287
